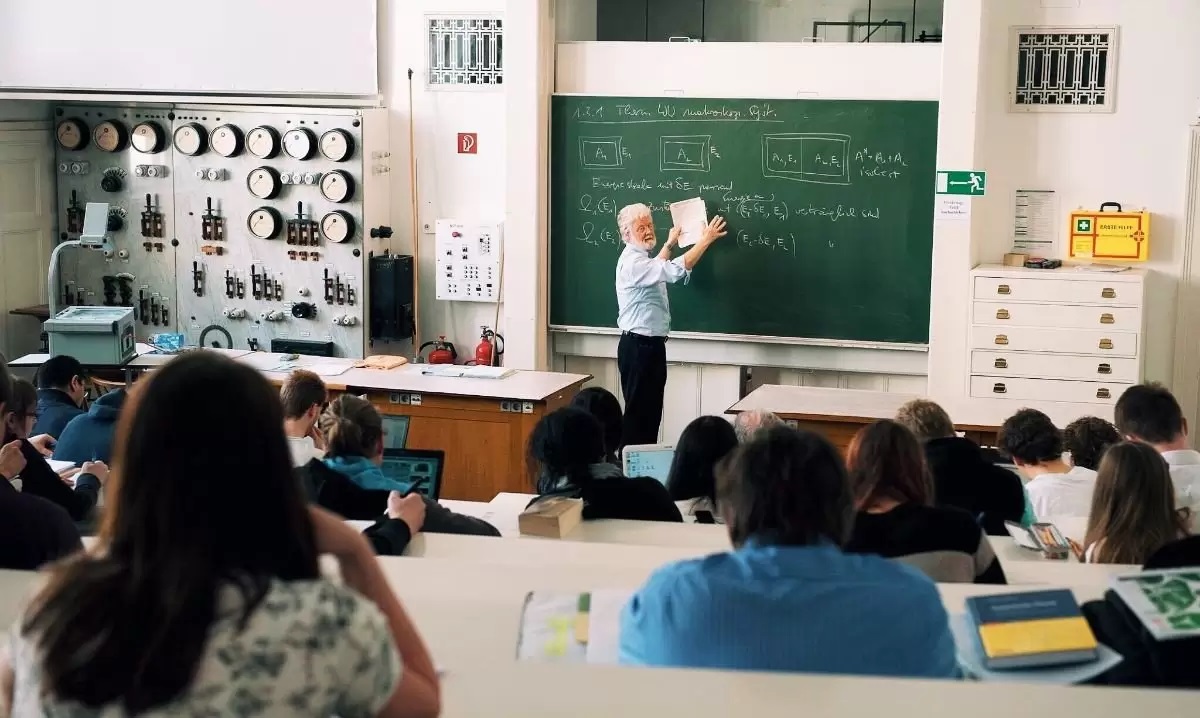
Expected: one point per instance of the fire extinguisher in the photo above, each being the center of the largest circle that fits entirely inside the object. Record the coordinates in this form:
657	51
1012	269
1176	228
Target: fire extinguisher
443	351
489	349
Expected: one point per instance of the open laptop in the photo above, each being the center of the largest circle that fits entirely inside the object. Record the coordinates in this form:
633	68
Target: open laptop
395	431
653	460
415	470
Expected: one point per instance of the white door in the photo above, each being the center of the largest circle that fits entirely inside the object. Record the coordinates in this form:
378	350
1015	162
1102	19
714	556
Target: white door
26	230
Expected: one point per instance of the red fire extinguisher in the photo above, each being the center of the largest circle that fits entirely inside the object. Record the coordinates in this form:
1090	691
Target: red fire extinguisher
443	351
489	349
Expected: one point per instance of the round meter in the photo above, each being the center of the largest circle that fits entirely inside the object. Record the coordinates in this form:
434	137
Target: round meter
264	183
71	134
337	226
191	139
226	141
299	143
337	186
337	145
265	223
110	136
148	137
263	142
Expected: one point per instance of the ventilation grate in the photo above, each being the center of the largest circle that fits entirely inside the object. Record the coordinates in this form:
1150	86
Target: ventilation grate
1063	69
465	52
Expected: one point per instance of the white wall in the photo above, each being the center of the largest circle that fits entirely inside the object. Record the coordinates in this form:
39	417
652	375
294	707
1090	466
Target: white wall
450	184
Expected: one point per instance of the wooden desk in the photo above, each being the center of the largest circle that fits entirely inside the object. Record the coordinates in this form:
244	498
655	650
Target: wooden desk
838	414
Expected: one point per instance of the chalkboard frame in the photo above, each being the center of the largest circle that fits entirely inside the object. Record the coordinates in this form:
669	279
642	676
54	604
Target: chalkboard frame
873	344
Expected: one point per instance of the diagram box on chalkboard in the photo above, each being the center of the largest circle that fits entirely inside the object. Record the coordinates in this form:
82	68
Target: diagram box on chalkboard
686	153
807	157
600	153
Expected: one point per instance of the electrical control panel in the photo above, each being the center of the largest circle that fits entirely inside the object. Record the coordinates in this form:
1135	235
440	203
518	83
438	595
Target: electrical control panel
256	220
468	261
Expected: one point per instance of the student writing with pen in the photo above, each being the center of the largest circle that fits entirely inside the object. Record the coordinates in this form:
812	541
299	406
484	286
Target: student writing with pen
350	482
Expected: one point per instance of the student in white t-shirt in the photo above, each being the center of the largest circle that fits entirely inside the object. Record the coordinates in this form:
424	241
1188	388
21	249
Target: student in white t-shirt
1055	488
1150	414
304	398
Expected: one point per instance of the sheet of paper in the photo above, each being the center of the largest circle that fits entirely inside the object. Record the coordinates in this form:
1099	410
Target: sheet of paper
57	466
1035	214
691	216
604	625
951	206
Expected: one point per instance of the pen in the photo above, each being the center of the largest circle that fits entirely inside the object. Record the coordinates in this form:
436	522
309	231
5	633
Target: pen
416	486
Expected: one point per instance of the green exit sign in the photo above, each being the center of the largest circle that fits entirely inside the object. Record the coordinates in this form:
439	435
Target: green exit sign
967	182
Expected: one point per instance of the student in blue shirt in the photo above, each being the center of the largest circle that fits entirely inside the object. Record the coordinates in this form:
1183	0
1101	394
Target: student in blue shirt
787	598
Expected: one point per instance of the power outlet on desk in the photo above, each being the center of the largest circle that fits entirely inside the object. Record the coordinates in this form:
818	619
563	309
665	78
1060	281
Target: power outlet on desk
527	407
516	407
406	399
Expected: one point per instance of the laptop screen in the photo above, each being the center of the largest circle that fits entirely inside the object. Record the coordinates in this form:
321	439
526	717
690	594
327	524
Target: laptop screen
395	432
419	471
652	461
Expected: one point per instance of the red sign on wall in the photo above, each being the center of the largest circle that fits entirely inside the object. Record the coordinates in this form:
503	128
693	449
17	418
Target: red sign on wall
468	143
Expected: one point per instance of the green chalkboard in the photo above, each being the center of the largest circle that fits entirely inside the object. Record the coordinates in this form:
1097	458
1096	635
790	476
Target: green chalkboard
829	205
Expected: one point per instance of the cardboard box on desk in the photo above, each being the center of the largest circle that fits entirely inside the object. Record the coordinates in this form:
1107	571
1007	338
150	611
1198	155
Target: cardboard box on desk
552	518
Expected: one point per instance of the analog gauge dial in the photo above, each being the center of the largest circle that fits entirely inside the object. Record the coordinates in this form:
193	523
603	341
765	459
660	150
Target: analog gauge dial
191	139
110	136
263	142
265	223
337	226
148	137
337	186
337	145
299	143
226	141
264	183
71	134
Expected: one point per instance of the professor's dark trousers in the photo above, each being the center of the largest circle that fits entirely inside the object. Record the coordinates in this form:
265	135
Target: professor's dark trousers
642	362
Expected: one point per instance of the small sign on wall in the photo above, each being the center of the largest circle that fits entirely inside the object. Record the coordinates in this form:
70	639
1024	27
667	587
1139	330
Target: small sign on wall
468	143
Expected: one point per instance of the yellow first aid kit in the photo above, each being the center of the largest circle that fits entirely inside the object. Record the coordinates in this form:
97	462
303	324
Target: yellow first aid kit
1115	235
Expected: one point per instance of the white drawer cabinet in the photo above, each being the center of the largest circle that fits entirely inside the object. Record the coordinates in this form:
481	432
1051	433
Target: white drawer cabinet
1040	337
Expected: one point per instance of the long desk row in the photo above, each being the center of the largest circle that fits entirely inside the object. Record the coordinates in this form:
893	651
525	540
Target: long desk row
482	425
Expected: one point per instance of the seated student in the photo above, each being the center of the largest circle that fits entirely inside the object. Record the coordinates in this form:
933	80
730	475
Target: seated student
896	516
61	391
1055	488
1086	438
747	424
566	458
1149	413
304	397
349	481
89	437
963	477
38	479
691	481
33	531
1133	508
602	404
196	604
787	598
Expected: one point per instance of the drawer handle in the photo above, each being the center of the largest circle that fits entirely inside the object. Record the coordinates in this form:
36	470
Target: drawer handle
1003	289
1103	393
1104	368
1107	318
999	388
1002	339
1000	363
1106	344
1108	293
1002	314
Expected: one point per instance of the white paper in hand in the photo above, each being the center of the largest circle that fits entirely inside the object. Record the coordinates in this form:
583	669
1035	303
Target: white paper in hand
691	216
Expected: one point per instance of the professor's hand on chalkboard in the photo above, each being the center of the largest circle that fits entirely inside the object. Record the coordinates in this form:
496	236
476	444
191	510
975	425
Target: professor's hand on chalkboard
715	229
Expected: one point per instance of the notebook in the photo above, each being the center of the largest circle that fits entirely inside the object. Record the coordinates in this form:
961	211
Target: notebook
1166	602
1032	629
653	460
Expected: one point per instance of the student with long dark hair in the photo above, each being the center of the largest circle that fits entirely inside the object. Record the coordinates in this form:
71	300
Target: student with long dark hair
1133	507
203	595
692	479
893	493
602	404
787	598
566	458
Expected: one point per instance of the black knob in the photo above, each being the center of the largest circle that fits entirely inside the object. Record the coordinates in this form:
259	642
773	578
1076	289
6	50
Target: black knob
382	232
111	183
304	310
115	223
